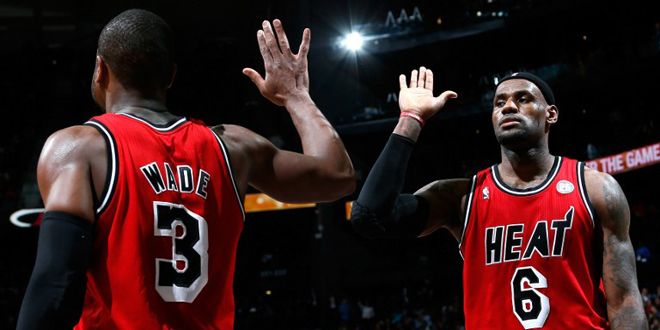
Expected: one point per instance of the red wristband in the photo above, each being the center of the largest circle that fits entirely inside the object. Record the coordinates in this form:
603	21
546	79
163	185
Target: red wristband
414	116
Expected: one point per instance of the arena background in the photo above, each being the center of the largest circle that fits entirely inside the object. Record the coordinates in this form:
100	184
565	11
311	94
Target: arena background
305	268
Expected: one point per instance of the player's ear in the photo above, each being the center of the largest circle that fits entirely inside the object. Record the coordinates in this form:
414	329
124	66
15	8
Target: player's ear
101	71
551	114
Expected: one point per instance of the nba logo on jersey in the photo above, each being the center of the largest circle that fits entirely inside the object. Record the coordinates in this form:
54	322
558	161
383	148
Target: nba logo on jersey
485	193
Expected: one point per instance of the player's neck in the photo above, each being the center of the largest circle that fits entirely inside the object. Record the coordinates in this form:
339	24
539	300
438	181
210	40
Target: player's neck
151	109
131	101
526	165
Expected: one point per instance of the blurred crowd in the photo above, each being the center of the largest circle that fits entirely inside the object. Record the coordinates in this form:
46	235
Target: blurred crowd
414	307
652	306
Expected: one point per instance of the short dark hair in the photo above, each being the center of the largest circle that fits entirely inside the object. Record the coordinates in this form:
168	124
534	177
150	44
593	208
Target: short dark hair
138	46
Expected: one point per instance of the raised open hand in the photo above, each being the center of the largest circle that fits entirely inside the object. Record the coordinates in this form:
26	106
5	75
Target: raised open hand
286	73
418	97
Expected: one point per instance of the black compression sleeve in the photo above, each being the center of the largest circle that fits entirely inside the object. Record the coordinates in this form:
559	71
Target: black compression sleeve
55	294
381	210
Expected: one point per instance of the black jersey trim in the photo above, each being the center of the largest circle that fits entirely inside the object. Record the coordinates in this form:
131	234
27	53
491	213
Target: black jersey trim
231	172
556	165
161	128
583	193
468	212
113	169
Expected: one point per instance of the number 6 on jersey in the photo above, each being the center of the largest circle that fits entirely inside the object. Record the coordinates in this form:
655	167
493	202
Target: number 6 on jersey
183	277
530	306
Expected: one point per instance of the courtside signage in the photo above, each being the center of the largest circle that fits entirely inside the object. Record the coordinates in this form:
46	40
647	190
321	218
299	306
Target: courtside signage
628	160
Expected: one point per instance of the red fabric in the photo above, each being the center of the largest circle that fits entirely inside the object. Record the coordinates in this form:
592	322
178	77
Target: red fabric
575	299
121	283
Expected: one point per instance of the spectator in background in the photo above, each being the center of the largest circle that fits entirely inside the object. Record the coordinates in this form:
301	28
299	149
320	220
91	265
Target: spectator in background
368	314
345	313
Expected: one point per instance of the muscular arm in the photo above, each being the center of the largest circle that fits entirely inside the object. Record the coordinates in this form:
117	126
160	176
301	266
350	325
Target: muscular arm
447	201
55	293
624	303
284	175
381	210
65	174
323	172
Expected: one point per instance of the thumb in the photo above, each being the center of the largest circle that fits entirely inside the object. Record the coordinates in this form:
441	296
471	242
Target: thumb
255	77
439	102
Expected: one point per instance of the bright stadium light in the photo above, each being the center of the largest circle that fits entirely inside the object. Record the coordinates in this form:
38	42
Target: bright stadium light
353	41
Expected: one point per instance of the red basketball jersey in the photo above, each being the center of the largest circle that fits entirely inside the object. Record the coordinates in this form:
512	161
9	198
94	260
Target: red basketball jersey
532	257
167	229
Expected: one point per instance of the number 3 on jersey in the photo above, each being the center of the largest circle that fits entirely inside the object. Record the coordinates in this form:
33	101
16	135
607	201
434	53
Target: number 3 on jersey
530	306
183	277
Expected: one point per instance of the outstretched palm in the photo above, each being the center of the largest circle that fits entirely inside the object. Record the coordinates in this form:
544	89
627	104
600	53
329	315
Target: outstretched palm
286	72
418	97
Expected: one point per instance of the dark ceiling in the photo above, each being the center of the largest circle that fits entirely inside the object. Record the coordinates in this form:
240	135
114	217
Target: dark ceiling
581	47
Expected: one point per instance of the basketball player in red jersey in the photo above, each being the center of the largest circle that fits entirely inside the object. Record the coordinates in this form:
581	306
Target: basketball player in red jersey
144	208
537	232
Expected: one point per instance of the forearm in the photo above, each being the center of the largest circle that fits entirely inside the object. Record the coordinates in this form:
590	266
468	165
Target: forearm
408	127
319	139
55	294
381	210
628	315
624	302
387	176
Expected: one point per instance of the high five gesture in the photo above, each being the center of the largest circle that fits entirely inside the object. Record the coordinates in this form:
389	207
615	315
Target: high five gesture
286	73
417	103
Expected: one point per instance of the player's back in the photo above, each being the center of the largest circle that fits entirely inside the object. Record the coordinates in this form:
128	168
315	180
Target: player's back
532	257
167	229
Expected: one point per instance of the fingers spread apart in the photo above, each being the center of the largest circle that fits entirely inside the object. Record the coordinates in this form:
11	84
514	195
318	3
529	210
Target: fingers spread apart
429	80
304	44
439	101
270	40
402	81
255	77
263	48
413	79
277	43
281	37
421	80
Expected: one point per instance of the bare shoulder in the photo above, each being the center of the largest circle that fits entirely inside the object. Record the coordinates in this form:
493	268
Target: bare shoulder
446	201
248	152
235	132
608	199
71	144
244	146
241	139
69	162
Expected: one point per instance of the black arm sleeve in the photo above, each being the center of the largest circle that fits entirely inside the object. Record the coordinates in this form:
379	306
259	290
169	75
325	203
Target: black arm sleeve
381	210
55	294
